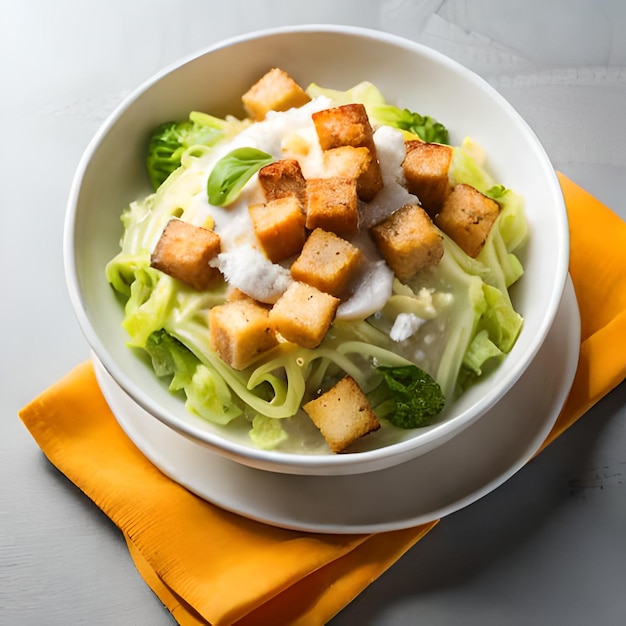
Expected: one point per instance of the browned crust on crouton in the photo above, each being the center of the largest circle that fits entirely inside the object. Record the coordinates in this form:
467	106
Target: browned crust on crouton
239	331
328	262
279	226
426	167
274	91
183	251
332	204
467	217
282	179
303	314
346	161
408	241
342	414
236	294
348	125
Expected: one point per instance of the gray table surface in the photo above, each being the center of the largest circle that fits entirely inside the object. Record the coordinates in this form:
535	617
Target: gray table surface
548	547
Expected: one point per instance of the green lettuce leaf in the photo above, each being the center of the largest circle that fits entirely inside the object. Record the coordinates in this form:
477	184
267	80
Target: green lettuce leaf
500	320
267	433
210	397
423	126
479	352
364	93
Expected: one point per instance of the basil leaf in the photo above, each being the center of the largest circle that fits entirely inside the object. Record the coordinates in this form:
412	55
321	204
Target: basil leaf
232	172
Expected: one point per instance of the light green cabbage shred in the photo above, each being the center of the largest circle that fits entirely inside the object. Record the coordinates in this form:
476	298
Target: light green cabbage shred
267	433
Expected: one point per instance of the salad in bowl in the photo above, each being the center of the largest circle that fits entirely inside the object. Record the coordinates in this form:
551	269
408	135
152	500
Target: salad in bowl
330	261
328	256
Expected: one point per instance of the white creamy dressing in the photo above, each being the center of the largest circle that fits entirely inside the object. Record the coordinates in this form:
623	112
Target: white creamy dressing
280	134
232	222
249	270
372	285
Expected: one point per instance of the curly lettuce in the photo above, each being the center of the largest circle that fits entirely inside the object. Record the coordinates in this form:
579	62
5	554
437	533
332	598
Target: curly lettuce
169	141
408	397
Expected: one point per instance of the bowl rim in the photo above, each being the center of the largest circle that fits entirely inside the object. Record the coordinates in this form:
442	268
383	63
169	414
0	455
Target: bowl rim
288	461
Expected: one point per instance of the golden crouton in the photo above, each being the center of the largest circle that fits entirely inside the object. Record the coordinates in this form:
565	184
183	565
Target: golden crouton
274	91
467	217
279	227
184	251
425	169
327	262
332	204
346	161
295	144
343	414
303	314
236	294
408	240
348	125
345	125
281	179
239	331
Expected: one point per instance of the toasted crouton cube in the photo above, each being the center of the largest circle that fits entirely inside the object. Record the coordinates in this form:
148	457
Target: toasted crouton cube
279	227
184	251
408	240
303	314
426	167
467	217
281	179
345	125
346	161
239	331
274	91
327	262
348	125
295	144
343	414
332	204
236	294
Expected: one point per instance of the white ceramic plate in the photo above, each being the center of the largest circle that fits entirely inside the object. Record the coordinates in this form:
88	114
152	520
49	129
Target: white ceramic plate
433	485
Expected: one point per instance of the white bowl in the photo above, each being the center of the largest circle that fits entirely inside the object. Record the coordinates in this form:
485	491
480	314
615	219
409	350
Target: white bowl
111	174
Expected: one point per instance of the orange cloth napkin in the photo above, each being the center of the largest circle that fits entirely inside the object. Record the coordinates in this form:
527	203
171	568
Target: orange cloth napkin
209	566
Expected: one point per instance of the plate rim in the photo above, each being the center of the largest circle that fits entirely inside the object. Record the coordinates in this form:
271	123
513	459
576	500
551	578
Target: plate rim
125	410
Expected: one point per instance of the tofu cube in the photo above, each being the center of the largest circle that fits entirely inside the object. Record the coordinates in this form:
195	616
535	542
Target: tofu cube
303	314
408	241
426	167
279	227
239	331
274	91
467	217
348	125
282	179
327	262
342	414
183	251
332	204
